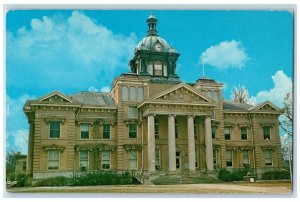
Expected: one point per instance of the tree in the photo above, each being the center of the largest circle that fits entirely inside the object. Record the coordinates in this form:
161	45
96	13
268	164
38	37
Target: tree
11	159
287	122
240	94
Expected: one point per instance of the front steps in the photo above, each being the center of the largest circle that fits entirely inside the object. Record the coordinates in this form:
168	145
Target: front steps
185	179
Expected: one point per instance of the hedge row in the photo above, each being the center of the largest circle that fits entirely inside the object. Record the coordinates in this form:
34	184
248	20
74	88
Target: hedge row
276	175
90	178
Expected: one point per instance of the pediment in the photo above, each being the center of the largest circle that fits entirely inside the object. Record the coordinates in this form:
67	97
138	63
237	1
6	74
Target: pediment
182	93
266	106
56	97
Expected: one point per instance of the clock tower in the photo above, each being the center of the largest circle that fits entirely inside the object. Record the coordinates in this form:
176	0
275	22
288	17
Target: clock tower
154	57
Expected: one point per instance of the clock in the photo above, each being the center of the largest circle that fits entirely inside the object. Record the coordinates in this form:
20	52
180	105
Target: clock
158	47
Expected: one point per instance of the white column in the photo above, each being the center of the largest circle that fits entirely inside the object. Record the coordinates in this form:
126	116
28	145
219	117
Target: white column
208	145
172	143
191	143
151	144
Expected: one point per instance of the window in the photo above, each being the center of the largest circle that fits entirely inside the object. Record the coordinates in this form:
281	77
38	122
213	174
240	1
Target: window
229	158
53	159
106	131
105	160
268	157
216	96
195	128
227	133
158	68
24	165
132	93
157	159
124	93
212	115
176	128
244	133
209	94
133	159
84	131
178	159
132	130
83	160
213	132
54	129
246	158
132	112
267	134
140	92
215	157
156	128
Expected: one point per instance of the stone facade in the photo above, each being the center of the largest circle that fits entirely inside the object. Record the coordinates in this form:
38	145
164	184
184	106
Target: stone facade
150	122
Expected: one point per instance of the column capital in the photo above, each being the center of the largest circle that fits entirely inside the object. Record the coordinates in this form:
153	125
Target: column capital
169	115
151	114
191	116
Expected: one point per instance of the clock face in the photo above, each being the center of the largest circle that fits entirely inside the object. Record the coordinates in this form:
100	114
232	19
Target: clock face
158	47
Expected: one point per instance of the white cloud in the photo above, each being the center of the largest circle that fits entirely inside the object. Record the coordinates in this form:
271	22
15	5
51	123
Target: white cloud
18	140
16	127
105	89
93	89
282	85
56	51
227	54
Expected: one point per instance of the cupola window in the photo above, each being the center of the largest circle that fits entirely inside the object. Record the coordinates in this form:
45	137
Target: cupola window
158	68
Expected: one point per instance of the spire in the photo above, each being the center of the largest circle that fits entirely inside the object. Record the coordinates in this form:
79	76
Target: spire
152	25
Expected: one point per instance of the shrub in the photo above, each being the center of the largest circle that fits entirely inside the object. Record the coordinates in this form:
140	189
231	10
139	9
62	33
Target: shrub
54	181
276	175
233	175
21	180
225	175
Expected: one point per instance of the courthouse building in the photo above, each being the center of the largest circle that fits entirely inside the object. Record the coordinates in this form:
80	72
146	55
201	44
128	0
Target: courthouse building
151	122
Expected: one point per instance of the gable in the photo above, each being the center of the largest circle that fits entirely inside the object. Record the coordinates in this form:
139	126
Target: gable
182	93
56	97
267	107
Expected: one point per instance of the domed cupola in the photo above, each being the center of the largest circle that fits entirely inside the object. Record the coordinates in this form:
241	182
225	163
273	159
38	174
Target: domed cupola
153	55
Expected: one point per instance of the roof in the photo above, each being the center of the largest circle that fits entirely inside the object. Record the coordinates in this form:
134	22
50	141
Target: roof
236	105
94	99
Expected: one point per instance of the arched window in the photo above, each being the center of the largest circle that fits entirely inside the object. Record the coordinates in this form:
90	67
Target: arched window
132	93
140	92
216	96
209	94
158	68
124	93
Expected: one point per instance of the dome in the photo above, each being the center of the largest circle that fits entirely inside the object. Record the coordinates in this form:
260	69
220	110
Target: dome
148	43
152	42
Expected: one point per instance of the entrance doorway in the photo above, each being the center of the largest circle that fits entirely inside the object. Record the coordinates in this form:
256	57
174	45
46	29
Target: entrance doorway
177	160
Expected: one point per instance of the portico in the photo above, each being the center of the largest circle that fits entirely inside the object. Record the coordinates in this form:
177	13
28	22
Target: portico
199	107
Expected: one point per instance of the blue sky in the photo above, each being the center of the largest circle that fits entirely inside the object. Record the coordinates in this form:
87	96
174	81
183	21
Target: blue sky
74	51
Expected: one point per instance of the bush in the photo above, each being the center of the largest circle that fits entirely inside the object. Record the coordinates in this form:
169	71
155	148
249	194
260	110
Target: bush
224	175
276	175
233	175
54	181
89	178
21	180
